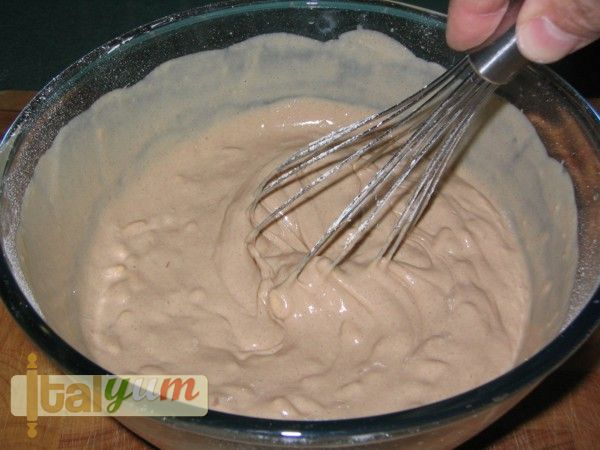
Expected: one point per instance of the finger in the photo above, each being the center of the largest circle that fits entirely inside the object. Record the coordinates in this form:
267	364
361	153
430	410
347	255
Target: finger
471	22
548	30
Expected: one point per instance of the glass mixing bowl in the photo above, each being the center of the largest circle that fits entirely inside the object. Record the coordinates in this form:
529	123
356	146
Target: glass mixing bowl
564	121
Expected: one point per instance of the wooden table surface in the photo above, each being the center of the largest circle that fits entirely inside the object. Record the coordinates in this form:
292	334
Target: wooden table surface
562	413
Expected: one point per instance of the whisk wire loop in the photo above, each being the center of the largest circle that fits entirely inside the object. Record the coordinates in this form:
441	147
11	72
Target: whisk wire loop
426	128
422	143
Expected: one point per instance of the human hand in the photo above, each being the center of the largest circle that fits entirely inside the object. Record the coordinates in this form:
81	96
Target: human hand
547	30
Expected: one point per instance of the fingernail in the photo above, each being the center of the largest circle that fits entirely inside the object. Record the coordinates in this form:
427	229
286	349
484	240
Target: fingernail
540	40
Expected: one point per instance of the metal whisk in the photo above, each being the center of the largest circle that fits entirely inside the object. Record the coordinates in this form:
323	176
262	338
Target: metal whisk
426	128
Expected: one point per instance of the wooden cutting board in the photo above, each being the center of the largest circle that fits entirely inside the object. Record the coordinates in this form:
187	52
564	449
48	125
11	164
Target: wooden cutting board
562	413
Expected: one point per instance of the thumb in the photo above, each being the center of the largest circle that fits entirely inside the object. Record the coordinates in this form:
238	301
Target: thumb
548	30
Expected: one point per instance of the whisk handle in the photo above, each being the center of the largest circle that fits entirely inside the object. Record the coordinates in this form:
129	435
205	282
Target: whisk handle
500	61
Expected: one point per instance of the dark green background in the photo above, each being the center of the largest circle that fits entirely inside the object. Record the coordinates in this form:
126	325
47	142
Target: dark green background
40	38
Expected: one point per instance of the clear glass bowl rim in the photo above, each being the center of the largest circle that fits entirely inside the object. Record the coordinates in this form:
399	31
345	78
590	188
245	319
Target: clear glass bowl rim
247	428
